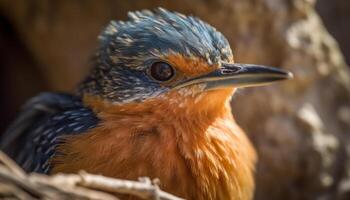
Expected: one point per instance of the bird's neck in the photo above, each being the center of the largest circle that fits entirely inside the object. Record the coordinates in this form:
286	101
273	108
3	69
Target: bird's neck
199	147
182	105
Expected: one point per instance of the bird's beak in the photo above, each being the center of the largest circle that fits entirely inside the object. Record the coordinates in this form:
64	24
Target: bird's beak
238	75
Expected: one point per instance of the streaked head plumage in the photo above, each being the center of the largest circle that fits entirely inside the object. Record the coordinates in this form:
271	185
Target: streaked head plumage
129	48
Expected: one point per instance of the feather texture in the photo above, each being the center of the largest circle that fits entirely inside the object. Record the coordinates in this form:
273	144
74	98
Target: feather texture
32	138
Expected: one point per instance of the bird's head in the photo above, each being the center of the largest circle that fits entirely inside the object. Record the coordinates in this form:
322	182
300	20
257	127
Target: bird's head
165	56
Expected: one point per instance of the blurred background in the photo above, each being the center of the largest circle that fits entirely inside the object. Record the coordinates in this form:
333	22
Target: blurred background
301	128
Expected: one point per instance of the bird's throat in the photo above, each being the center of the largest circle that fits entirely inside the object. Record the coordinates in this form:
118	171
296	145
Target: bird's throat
186	103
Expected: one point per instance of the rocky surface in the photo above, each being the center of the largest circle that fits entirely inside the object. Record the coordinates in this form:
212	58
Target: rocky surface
336	16
300	128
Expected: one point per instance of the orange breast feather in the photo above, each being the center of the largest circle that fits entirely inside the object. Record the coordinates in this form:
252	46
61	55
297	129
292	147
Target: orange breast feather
196	155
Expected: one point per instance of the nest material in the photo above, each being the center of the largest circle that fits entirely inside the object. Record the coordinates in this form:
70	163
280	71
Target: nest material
16	184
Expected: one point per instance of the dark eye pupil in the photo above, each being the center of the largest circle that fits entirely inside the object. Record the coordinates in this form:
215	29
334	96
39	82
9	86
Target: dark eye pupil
161	71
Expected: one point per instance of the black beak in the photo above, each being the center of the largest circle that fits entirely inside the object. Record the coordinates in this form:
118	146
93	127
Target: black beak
238	75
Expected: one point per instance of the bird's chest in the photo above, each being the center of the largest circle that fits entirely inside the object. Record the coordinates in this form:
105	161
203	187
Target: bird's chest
195	163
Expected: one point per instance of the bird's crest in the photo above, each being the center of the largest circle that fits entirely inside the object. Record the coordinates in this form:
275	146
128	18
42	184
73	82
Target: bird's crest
159	32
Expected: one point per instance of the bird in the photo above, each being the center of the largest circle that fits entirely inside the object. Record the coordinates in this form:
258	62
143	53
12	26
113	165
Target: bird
156	104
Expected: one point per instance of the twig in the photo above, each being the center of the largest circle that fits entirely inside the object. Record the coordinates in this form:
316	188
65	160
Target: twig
27	186
140	189
19	185
11	165
8	191
66	185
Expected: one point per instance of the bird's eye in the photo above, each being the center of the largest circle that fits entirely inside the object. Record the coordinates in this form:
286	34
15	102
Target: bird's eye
161	71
